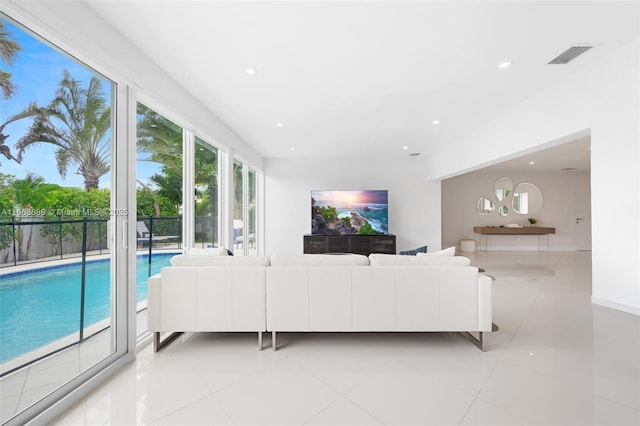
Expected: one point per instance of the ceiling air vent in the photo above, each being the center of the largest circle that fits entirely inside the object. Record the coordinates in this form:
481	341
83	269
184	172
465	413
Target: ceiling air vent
568	169
414	154
570	54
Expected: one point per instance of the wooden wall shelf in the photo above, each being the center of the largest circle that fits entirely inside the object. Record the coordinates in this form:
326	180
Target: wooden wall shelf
529	230
496	230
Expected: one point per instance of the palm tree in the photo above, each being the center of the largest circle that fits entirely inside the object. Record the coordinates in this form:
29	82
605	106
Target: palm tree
160	138
77	122
30	191
8	51
30	111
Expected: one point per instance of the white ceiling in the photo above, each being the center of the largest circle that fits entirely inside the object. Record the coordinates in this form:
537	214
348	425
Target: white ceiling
365	78
573	156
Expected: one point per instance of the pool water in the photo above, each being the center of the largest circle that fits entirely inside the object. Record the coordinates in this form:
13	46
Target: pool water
40	306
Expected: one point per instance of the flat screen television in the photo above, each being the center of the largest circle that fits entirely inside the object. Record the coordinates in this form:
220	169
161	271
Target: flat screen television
350	212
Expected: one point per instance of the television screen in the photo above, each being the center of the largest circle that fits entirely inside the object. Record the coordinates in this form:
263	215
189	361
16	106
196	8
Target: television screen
349	212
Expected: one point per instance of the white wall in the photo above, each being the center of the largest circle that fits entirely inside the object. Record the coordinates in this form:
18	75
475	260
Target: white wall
414	202
604	98
460	193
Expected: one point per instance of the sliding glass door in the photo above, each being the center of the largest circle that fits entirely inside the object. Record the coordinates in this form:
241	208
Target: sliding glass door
159	215
206	195
245	219
62	225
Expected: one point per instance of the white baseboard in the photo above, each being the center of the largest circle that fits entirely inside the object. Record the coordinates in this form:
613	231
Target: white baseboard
635	310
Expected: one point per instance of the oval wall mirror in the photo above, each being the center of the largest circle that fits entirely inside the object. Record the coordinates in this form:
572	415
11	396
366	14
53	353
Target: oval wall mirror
503	210
485	206
527	199
503	187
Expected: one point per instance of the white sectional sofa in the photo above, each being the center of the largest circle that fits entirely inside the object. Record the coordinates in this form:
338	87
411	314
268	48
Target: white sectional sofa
208	293
294	293
380	293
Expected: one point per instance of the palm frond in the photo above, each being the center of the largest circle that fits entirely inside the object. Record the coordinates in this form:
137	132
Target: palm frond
30	111
77	121
9	48
63	157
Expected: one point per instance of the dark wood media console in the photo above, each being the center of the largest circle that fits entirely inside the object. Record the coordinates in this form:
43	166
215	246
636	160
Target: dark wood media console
358	244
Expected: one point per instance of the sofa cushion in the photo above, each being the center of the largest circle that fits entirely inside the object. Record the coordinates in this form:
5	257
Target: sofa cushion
319	260
449	252
206	260
379	259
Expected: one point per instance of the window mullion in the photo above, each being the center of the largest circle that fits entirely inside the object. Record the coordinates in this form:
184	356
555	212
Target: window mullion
188	188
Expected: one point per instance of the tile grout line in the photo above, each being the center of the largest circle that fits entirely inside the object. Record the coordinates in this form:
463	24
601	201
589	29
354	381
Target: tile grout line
477	395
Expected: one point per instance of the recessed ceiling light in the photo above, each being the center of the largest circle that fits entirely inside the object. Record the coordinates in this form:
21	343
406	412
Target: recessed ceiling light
504	65
532	162
279	124
250	71
293	148
436	122
405	147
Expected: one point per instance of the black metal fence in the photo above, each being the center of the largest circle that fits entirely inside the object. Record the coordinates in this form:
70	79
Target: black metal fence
26	240
32	240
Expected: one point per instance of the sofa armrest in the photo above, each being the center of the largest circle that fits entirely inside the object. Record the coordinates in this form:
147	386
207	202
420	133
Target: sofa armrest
153	303
485	309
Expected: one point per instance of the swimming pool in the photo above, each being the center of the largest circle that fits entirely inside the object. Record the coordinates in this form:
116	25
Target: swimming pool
40	306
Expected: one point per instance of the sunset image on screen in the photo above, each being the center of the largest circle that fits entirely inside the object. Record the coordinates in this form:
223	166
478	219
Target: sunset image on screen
349	212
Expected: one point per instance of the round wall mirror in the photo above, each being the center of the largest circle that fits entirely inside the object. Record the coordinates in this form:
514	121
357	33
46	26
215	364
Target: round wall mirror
527	199
485	206
503	210
503	187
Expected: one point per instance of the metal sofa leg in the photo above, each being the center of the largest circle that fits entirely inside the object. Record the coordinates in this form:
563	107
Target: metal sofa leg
479	341
259	340
159	344
274	345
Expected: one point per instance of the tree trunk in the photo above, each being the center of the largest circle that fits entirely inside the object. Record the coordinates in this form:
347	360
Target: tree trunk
91	182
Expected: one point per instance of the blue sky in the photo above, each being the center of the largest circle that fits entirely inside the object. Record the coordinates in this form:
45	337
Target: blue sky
36	72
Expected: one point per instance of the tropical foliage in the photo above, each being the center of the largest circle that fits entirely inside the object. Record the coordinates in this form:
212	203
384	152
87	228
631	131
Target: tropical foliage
23	201
160	141
9	49
206	179
6	205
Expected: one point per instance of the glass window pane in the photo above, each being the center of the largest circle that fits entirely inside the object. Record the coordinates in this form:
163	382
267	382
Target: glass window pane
158	197
55	208
238	222
206	195
252	219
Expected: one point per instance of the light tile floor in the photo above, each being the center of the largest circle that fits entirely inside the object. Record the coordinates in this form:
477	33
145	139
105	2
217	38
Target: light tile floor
557	359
